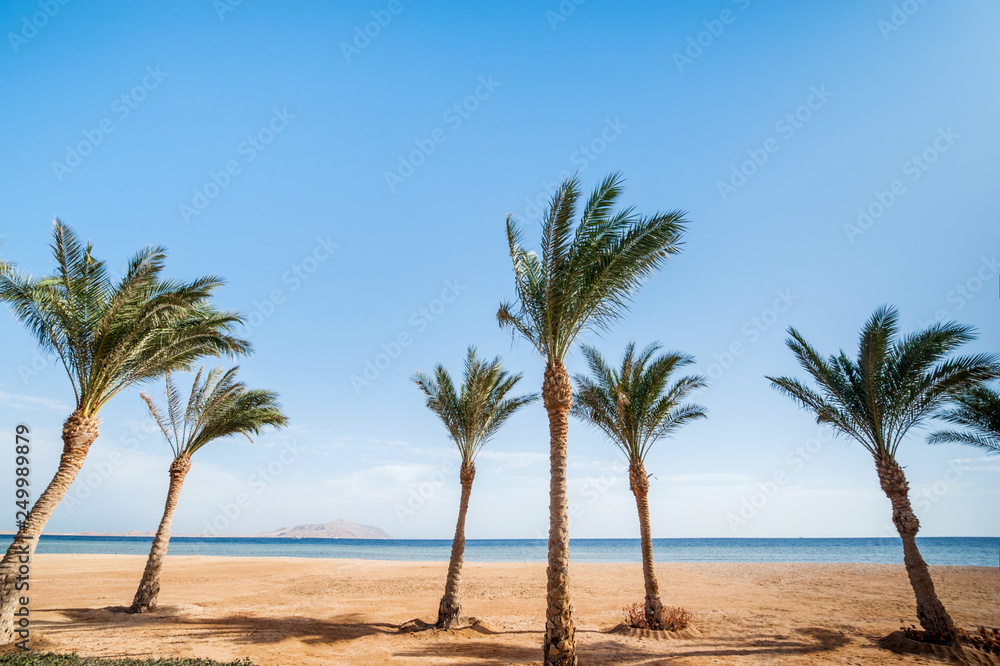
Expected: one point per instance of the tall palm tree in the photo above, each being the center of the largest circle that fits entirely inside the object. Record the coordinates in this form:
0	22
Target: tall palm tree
634	406
978	409
583	280
219	406
472	415
109	336
896	383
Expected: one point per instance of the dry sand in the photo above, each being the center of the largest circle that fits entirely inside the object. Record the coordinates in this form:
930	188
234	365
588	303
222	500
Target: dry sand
310	611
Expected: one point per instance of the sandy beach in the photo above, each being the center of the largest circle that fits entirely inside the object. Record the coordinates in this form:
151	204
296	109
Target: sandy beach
315	611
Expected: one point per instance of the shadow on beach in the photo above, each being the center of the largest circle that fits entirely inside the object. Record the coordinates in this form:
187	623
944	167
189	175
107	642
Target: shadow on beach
502	647
239	628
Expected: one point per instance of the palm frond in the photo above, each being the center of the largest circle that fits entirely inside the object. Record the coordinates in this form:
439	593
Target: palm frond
473	413
977	410
989	442
636	404
111	335
895	385
585	279
218	406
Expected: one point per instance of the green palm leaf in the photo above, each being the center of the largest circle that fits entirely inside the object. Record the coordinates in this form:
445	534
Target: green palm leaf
474	412
978	410
584	280
218	406
637	403
111	335
895	384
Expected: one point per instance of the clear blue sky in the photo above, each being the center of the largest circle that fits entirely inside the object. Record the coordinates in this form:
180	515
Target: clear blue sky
341	182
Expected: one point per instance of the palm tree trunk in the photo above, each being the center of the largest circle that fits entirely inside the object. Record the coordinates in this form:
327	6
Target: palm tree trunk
559	648
639	483
451	602
79	432
930	611
149	586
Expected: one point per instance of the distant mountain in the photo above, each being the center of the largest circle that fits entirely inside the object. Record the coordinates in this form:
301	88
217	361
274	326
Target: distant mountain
133	533
338	529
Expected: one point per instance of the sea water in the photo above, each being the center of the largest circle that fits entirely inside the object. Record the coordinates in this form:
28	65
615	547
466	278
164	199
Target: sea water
954	551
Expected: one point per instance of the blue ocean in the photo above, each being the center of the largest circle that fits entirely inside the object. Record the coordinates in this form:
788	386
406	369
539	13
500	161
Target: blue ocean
952	551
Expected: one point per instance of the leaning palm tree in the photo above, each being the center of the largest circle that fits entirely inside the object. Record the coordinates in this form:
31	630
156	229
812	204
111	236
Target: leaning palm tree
979	410
634	406
219	406
472	416
583	280
109	336
896	383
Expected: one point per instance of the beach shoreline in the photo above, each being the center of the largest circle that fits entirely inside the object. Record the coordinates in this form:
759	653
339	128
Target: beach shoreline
289	610
963	551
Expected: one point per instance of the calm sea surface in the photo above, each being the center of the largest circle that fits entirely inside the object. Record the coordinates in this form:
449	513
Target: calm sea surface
963	551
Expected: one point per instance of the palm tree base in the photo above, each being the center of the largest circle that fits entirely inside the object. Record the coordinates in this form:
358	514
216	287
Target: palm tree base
145	600
901	643
560	653
448	614
654	613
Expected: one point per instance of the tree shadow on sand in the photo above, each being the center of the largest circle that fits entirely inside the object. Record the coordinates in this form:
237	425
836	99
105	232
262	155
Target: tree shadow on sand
192	622
819	639
238	628
475	651
634	652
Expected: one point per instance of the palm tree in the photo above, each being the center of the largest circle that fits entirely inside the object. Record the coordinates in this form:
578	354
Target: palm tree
978	409
218	407
583	280
896	383
472	416
635	406
109	336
